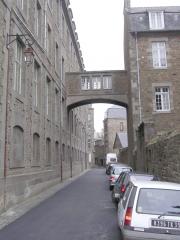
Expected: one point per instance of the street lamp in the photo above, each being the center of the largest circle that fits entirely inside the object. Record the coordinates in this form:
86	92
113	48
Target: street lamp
28	51
28	55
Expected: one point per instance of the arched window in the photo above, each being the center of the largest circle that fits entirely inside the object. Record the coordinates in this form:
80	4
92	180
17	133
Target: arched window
18	148
36	150
48	152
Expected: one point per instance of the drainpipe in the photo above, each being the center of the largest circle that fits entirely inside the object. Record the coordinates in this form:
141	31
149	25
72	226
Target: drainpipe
6	113
138	79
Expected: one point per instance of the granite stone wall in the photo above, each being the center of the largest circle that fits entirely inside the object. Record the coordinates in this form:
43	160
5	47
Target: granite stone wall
163	156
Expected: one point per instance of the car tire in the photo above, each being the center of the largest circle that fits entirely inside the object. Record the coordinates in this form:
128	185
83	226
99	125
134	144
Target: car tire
112	196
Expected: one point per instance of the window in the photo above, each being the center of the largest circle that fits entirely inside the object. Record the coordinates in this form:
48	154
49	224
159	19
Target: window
156	20
121	126
36	150
45	30
48	152
162	99
36	92
159	55
48	95
62	69
38	20
96	82
48	41
107	82
56	105
21	4
58	12
50	3
63	27
63	152
18	148
18	68
85	83
57	57
150	201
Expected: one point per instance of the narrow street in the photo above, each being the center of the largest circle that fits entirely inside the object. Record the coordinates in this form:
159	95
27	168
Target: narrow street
81	211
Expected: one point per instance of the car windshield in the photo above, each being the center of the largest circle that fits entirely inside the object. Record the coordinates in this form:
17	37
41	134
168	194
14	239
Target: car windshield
158	201
117	171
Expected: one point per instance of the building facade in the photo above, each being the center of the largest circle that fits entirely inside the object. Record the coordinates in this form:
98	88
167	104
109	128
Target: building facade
115	120
41	142
152	50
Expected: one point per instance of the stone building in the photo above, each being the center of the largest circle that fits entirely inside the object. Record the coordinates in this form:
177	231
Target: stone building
115	120
100	157
41	142
152	50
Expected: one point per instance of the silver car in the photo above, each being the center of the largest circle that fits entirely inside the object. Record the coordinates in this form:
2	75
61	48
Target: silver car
115	172
150	210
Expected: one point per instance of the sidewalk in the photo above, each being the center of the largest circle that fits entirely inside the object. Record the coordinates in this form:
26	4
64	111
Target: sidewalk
20	209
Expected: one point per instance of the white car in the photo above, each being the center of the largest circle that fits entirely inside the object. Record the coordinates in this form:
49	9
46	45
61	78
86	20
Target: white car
150	210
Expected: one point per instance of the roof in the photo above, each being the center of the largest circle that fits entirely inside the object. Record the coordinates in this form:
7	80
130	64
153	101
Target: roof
156	184
116	112
139	19
121	140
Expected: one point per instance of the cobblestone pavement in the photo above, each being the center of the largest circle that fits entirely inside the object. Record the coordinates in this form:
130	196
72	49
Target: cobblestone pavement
80	209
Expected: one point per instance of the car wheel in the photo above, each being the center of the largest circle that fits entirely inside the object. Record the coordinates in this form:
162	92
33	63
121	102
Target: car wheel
113	198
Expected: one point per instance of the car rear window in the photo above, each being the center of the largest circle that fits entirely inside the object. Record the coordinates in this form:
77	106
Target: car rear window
119	170
158	201
141	177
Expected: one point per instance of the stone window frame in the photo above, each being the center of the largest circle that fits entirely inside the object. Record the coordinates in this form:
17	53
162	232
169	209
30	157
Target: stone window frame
161	85
156	23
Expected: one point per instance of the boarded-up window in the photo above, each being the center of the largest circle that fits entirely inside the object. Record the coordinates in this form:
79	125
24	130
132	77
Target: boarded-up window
18	148
36	150
48	152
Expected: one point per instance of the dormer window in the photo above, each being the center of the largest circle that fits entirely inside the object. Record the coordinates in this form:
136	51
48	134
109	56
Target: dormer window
156	20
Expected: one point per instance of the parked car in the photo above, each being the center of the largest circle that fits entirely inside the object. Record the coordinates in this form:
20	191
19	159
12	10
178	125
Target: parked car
150	210
115	172
123	181
111	165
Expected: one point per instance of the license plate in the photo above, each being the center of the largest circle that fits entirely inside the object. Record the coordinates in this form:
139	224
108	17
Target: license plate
116	195
165	224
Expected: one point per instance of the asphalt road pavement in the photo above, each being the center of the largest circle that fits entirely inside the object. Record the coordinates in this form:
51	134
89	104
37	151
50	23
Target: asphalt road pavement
83	210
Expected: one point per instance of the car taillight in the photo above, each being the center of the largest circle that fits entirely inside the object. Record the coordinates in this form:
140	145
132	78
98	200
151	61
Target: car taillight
112	178
128	217
123	188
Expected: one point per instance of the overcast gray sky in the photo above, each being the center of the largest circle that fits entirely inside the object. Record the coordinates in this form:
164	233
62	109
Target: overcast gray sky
99	25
